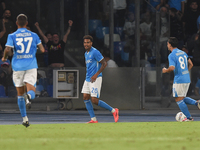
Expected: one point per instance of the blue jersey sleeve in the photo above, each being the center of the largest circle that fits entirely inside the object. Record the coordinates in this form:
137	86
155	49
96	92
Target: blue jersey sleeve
38	41
171	60
98	56
10	41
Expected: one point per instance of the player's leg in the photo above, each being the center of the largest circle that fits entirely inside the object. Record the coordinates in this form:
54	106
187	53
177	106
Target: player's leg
190	101
30	78
95	89
179	92
88	103
18	82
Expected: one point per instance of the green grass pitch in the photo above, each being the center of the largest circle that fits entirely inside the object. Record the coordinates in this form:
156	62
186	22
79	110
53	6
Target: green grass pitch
102	136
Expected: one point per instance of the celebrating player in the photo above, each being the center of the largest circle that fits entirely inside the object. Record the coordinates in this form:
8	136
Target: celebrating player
24	63
95	64
180	64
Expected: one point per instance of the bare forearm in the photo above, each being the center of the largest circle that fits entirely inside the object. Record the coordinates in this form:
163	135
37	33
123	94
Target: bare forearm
66	35
103	66
42	34
6	52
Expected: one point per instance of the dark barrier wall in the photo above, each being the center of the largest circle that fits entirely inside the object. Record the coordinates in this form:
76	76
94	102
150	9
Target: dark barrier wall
120	88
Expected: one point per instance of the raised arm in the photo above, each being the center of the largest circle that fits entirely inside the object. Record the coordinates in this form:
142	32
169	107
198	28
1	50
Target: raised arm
4	29
41	33
68	31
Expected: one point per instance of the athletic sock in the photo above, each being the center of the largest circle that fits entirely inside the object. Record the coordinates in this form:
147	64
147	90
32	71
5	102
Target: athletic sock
89	108
31	94
190	101
183	107
25	119
94	119
22	106
104	105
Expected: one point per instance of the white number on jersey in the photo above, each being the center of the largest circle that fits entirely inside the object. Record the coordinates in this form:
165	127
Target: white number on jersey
19	42
182	62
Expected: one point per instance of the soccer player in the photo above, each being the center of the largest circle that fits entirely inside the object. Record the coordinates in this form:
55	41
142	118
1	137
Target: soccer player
95	64
180	64
24	63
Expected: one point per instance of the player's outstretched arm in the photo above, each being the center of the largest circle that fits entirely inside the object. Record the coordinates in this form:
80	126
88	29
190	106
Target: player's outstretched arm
41	48
41	33
68	31
190	64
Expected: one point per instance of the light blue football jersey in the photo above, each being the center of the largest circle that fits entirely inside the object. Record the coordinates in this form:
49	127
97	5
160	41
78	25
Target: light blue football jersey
179	59
92	59
24	44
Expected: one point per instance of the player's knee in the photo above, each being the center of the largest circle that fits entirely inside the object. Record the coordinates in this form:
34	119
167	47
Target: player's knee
86	97
95	100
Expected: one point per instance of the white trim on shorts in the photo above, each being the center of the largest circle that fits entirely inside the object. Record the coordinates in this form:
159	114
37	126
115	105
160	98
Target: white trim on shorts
26	76
93	89
180	90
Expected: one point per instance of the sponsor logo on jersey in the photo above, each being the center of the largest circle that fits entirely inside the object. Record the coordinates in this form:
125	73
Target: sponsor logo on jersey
88	61
24	56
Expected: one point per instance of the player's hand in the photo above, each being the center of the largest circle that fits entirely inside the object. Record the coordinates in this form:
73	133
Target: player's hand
3	59
164	70
70	22
93	78
37	24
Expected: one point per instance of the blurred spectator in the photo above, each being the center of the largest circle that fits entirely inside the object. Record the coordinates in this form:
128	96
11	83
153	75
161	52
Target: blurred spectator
194	47
190	20
198	23
146	36
197	88
178	4
49	37
2	7
176	26
1	51
6	75
129	26
157	4
184	48
119	12
110	63
9	26
164	34
56	47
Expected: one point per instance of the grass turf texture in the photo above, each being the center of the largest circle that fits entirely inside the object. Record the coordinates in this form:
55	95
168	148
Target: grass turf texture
102	136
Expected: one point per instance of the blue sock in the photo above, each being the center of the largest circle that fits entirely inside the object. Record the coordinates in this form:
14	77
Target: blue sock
89	108
190	101
183	107
22	106
31	93
104	105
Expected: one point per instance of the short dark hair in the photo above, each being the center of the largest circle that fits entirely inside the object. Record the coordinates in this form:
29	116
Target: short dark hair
55	33
173	41
22	20
48	32
88	37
